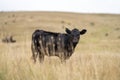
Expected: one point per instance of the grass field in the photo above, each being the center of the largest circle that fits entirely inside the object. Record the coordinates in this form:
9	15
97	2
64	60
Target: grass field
96	57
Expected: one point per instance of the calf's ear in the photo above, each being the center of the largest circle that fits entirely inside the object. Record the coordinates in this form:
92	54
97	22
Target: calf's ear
68	31
83	31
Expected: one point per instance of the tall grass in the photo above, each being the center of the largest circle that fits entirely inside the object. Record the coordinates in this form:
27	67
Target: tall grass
16	64
96	57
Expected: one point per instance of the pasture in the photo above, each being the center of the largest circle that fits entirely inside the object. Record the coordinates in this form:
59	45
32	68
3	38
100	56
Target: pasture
96	57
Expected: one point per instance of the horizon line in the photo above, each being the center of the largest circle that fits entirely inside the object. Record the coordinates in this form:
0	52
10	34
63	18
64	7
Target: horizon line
58	11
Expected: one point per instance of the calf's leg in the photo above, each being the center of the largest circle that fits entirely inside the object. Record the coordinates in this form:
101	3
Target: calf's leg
34	52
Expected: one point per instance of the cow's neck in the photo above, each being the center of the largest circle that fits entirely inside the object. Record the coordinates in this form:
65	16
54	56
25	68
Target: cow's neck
74	45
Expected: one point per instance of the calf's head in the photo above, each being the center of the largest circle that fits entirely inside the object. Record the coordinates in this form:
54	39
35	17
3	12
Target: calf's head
75	34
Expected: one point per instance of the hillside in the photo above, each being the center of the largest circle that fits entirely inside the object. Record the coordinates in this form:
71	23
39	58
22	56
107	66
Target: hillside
97	56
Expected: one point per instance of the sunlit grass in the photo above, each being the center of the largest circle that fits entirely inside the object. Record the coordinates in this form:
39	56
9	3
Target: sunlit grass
96	57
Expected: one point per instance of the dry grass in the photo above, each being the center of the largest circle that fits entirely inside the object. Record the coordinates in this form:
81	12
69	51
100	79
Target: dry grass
97	56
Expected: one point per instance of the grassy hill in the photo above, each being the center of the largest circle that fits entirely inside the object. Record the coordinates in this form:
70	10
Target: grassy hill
97	56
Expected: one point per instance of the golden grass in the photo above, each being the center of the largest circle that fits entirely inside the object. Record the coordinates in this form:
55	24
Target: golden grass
97	57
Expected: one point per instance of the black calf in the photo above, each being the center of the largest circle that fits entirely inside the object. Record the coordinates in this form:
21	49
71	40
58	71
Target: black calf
55	44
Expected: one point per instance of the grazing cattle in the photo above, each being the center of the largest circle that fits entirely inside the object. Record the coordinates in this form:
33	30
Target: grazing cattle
55	44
